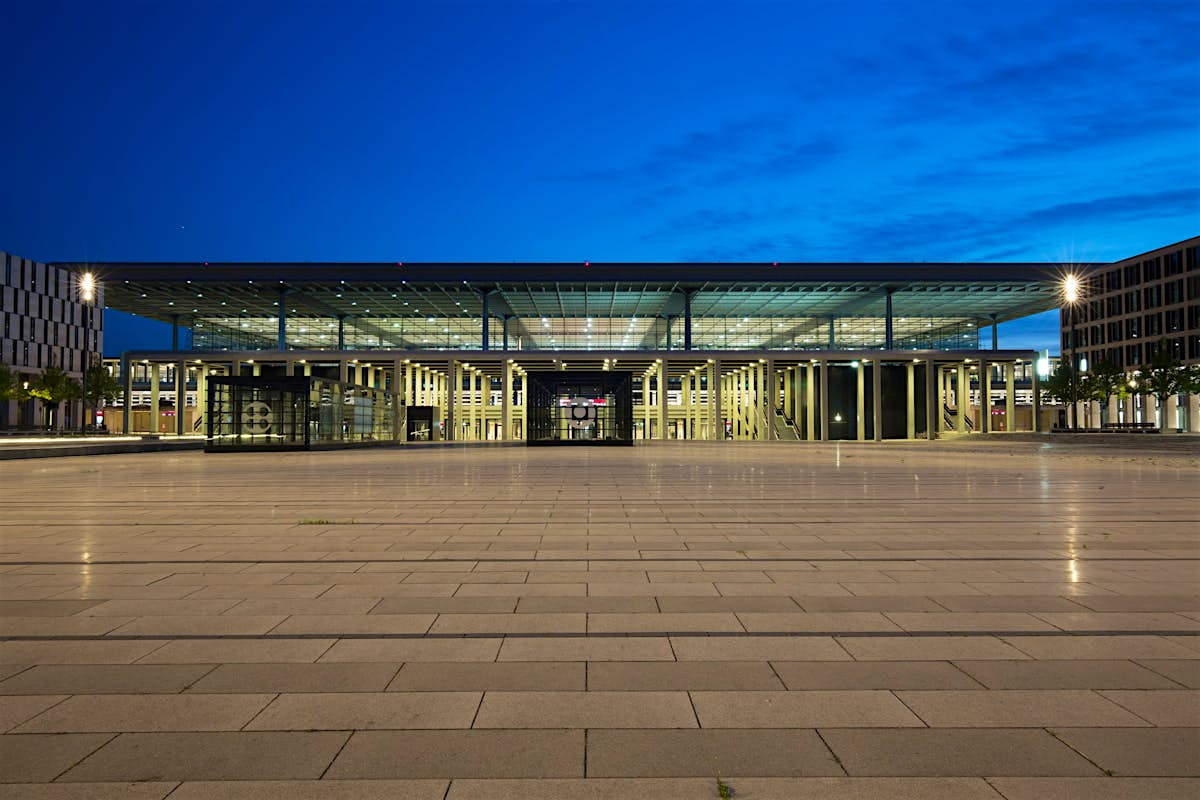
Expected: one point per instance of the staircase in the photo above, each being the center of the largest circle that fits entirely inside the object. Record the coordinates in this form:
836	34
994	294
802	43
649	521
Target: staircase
785	428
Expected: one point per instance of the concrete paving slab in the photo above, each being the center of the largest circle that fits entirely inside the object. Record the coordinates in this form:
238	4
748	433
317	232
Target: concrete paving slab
1097	788
803	709
707	753
1017	709
585	710
1138	751
460	754
753	788
211	756
994	752
368	711
148	712
1063	675
312	790
681	676
42	757
276	678
859	675
155	790
481	677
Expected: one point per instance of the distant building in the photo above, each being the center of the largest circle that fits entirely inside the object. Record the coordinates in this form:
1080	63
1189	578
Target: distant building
42	324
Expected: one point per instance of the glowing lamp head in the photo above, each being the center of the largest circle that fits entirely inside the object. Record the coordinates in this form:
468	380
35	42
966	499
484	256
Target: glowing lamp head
1071	288
87	287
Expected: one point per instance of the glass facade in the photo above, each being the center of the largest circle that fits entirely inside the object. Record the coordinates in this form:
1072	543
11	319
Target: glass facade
580	408
297	413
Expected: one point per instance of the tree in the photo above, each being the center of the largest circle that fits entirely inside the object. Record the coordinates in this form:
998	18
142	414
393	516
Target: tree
1163	377
101	386
52	387
1057	385
11	384
1101	383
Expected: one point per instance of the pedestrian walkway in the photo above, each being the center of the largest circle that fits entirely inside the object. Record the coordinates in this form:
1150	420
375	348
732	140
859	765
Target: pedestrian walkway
924	620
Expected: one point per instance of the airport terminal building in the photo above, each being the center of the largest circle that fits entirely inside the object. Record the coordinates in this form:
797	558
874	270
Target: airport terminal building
584	352
702	351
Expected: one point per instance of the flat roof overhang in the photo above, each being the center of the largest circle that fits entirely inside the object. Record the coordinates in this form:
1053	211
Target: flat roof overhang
174	291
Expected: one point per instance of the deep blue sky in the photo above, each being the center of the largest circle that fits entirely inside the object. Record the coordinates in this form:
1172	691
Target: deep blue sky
606	131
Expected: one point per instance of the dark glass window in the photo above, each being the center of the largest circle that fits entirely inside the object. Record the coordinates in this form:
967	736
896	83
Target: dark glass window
1174	320
1112	281
1193	287
1151	269
1152	297
1133	275
1175	348
1133	302
1193	317
1173	292
1152	324
1133	327
1173	263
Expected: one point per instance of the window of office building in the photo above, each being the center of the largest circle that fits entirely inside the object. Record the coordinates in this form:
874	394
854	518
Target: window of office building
1174	320
1152	297
1152	325
1151	269
1173	264
1173	292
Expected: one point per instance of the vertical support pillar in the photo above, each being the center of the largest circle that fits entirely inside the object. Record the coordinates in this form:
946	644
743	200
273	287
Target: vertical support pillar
181	397
155	378
942	395
962	398
687	319
289	367
860	421
1010	397
716	410
832	343
995	334
341	332
486	316
662	398
454	401
127	393
985	397
343	370
1171	414
202	397
1193	413
933	400
174	333
504	327
506	391
282	344
1035	384
810	403
824	365
877	399
770	383
910	406
887	321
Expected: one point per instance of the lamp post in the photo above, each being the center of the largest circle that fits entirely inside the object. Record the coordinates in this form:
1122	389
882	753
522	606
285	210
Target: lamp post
1071	295
87	295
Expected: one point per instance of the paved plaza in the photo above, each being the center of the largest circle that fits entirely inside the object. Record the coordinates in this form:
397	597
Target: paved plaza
933	621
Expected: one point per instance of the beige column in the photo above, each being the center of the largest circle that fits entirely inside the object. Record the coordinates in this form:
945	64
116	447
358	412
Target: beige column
716	413
860	422
1130	404
1112	409
181	398
1010	397
824	367
1171	418
343	370
646	405
962	398
939	398
810	402
662	399
1035	423
454	406
933	401
985	398
910	407
771	384
289	368
877	399
506	391
1193	413
155	376
202	397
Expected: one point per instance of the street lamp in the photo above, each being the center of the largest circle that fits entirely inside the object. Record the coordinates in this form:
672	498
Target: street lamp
1070	290
87	296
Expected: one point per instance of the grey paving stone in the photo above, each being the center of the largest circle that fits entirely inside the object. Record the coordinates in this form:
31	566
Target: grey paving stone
447	605
1097	788
45	608
1170	708
312	790
758	648
1016	709
680	676
376	650
479	677
1138	751
845	604
805	709
460	755
1183	671
993	603
949	648
1098	647
250	651
90	791
587	605
323	677
17	709
104	679
585	710
148	712
728	753
752	788
928	752
565	648
211	756
120	652
857	675
1064	675
368	711
40	757
663	623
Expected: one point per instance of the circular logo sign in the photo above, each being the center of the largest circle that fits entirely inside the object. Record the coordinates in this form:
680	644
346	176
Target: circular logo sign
256	417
